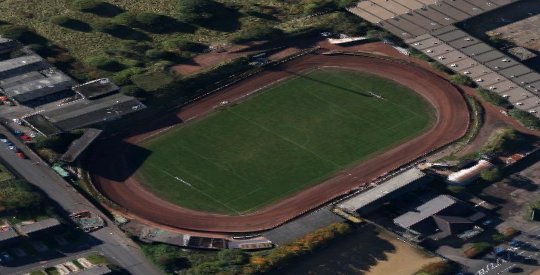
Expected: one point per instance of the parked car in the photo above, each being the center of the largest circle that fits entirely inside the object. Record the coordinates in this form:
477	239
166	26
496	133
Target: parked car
20	154
32	134
24	137
5	257
17	132
13	148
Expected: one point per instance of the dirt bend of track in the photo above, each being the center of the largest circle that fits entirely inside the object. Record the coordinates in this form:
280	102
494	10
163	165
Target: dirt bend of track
451	124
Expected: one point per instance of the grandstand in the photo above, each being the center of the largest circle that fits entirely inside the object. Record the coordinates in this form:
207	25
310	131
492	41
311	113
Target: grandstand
369	200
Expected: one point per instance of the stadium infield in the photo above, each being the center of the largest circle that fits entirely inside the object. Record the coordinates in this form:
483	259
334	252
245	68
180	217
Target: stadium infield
286	137
112	169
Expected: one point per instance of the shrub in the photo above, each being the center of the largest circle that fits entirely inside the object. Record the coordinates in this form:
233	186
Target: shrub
509	232
123	77
477	249
18	194
257	33
525	118
494	98
154	22
152	81
155	54
456	188
439	268
491	175
463	80
314	6
133	90
126	18
180	44
100	8
104	63
502	140
193	10
70	23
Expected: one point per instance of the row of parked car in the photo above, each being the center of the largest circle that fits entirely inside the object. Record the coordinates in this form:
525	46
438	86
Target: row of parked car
12	146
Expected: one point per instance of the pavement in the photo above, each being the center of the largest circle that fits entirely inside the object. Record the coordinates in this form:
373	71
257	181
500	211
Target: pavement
110	241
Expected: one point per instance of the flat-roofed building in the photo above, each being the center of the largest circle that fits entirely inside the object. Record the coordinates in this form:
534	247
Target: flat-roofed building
83	113
96	88
40	228
52	83
8	45
21	65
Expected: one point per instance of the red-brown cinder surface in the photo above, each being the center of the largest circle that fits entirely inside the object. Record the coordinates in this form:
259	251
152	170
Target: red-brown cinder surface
451	123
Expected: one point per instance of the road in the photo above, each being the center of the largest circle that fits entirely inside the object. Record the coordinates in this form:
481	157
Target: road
114	243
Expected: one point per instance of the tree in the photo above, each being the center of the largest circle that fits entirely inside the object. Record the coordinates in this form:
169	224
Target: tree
18	194
232	256
104	63
491	175
194	10
133	90
501	141
126	18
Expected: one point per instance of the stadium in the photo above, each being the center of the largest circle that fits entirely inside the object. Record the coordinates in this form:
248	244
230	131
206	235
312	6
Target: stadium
279	143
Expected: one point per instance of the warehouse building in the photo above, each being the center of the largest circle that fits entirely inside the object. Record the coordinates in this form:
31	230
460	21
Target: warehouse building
20	65
32	86
96	88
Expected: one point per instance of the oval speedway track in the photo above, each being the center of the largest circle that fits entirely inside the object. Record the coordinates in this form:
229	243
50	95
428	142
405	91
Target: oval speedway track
452	122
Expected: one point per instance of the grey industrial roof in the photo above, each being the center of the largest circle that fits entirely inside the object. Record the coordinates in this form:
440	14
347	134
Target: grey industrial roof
436	16
501	63
55	82
515	71
8	45
488	56
42	125
79	145
20	65
425	211
527	78
444	30
86	112
427	43
20	79
477	71
453	35
463	42
381	190
504	86
38	226
96	88
451	11
476	49
7	233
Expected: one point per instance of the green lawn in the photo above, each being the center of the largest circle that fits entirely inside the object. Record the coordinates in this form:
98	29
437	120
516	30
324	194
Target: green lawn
288	137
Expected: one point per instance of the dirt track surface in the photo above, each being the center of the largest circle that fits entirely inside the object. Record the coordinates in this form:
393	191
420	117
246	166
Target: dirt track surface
107	161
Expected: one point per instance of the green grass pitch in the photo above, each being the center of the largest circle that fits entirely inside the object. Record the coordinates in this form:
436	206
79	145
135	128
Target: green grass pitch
281	140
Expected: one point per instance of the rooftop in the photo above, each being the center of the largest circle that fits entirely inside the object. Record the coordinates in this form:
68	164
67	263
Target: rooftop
425	211
96	88
20	65
395	183
34	89
78	146
86	112
38	226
